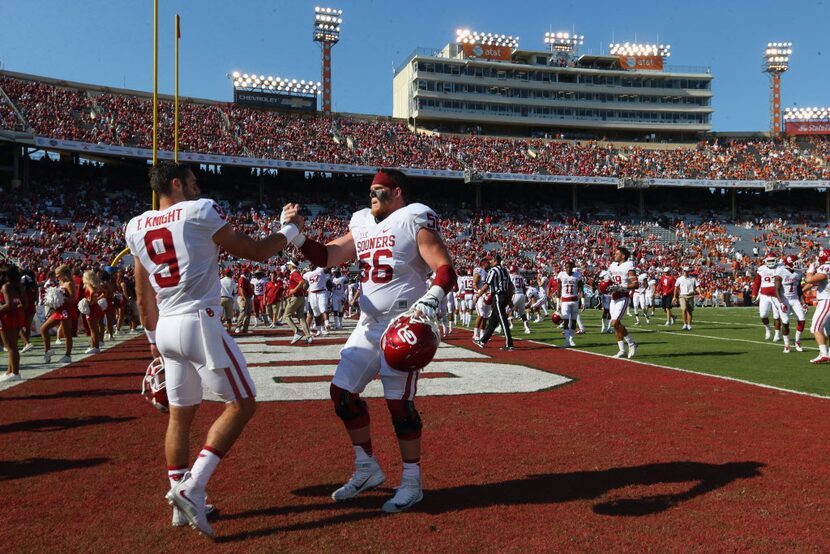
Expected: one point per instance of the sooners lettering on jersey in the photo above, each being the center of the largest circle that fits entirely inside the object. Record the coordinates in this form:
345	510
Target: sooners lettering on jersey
790	282
176	248
569	286
392	272
767	275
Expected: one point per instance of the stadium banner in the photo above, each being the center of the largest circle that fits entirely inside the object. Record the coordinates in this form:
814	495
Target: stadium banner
502	53
652	63
807	128
218	159
274	101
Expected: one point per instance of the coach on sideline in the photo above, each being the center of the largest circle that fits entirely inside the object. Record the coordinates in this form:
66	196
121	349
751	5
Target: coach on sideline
499	283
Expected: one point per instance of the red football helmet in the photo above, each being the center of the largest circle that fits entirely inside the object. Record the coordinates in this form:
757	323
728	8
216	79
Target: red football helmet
555	318
488	298
409	343
603	286
824	256
153	387
513	269
789	261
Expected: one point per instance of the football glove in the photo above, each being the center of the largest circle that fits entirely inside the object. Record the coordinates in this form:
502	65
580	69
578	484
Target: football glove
429	302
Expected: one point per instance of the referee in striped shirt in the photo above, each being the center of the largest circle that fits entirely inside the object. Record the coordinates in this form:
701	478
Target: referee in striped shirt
499	283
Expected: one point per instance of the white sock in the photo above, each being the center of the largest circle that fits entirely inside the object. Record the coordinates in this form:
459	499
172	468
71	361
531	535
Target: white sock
175	475
822	349
786	340
412	470
204	466
777	334
798	336
360	455
766	326
621	345
630	340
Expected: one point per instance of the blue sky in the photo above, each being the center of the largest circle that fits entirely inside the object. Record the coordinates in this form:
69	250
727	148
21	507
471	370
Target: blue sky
110	43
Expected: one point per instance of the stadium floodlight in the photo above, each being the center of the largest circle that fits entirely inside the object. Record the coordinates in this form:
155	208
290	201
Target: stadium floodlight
466	36
271	83
326	33
776	62
633	49
777	56
327	23
564	42
807	114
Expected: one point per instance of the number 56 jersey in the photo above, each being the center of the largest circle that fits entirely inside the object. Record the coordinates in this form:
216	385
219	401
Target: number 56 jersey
392	272
176	248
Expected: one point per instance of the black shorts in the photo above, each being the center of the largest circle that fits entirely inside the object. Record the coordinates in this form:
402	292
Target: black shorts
666	301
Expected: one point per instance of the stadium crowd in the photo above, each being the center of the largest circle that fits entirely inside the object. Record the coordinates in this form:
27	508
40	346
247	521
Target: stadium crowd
120	119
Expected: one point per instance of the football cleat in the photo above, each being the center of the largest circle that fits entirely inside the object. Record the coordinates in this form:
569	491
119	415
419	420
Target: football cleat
776	338
632	349
620	354
786	349
153	386
26	348
296	338
410	342
65	360
407	495
367	475
10	377
820	360
191	501
179	519
798	347
767	335
479	343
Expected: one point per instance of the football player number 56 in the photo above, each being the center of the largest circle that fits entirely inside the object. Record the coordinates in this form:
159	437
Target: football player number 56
373	268
162	251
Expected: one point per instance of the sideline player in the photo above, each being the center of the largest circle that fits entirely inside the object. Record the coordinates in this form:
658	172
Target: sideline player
640	298
765	292
339	284
791	302
177	251
466	293
817	277
623	281
519	298
397	244
318	298
483	309
570	300
605	302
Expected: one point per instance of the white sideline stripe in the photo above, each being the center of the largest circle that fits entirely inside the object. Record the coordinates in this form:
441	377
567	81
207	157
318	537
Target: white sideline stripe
699	373
31	362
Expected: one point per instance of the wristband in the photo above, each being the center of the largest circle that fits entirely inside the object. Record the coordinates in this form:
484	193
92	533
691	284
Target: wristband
289	231
437	292
151	336
299	241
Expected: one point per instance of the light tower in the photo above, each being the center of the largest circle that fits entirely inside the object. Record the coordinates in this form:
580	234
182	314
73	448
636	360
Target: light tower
564	42
327	33
776	62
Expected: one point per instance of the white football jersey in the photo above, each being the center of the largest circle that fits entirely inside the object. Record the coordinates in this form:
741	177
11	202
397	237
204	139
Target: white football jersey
568	284
392	272
619	272
482	276
317	279
652	284
176	248
790	282
642	282
465	284
822	290
768	275
259	286
339	285
518	283
532	292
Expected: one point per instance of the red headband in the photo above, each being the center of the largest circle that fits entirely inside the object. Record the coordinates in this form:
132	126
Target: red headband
385	180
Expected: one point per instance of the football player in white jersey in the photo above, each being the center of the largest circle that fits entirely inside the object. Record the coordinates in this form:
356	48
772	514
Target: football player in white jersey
605	300
623	281
397	245
484	304
339	286
651	286
791	302
465	294
818	277
176	249
318	298
519	298
765	292
570	300
640	298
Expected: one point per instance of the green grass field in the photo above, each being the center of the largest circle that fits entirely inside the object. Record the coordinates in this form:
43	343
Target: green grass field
724	341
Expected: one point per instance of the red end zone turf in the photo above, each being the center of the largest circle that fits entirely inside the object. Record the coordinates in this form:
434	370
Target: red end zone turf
626	457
